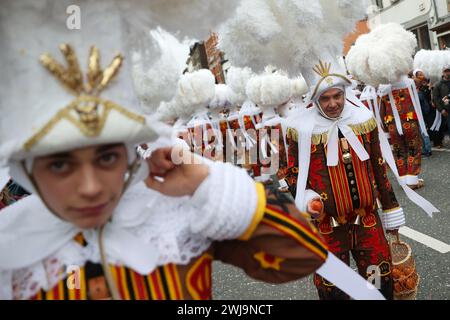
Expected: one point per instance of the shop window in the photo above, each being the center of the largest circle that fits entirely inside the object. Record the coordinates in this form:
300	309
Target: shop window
423	37
444	42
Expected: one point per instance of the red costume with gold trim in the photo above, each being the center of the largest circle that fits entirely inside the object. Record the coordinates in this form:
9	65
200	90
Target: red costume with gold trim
339	159
349	192
407	147
279	246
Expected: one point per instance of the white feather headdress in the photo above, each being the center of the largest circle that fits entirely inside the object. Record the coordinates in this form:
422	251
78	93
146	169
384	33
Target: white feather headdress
289	34
432	62
299	87
194	93
224	97
192	18
63	89
383	56
269	90
157	67
237	79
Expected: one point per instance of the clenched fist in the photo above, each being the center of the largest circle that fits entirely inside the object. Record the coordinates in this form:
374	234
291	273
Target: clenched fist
172	179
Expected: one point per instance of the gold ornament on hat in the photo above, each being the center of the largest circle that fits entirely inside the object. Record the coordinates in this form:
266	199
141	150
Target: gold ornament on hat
87	112
323	70
72	77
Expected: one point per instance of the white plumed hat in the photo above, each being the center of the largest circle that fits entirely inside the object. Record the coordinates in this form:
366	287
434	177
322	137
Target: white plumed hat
269	90
79	95
224	97
158	61
288	34
432	62
195	92
382	56
192	18
237	79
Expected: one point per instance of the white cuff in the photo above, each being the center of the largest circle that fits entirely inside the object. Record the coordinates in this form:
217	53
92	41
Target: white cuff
309	195
226	203
392	220
412	180
409	180
161	142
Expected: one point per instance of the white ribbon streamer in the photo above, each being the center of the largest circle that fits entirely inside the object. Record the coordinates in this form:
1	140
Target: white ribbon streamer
343	277
266	141
398	122
249	141
413	196
416	102
333	143
231	137
437	122
304	158
369	94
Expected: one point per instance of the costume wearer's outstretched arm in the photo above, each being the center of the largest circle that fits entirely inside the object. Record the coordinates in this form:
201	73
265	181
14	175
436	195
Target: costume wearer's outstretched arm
256	228
280	245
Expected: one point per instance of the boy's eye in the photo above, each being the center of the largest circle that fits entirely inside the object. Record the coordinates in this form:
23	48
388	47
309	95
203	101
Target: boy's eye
59	166
108	159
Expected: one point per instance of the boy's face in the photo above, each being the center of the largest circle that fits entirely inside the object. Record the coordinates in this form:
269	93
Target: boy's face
83	186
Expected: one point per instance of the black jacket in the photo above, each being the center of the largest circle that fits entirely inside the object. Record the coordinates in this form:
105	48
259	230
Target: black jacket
441	89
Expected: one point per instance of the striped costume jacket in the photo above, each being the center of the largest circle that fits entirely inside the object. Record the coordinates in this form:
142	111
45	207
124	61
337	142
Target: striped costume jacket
280	245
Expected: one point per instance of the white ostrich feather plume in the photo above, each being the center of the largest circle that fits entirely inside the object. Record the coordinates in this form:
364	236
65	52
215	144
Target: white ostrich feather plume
432	62
157	67
299	87
195	92
383	56
192	18
237	79
288	34
224	97
269	90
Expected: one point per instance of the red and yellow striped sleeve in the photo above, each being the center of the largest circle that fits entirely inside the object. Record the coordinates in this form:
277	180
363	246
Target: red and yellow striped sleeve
281	244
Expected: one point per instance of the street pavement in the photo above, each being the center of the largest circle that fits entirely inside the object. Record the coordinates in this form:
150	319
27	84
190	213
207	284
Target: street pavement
433	266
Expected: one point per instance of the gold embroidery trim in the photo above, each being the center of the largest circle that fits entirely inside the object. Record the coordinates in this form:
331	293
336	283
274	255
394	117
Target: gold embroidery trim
67	114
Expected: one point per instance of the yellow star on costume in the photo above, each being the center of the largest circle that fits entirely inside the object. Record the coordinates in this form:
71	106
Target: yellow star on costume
380	161
324	196
268	261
